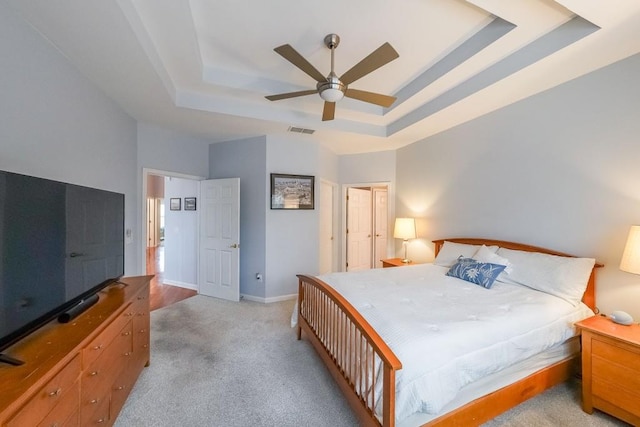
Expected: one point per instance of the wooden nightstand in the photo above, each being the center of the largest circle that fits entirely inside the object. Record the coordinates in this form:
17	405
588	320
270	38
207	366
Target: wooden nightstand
611	368
394	262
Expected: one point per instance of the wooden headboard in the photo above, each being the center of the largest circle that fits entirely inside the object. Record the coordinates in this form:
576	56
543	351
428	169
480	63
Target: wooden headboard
589	297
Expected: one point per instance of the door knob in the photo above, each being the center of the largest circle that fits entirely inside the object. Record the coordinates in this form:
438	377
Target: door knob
234	246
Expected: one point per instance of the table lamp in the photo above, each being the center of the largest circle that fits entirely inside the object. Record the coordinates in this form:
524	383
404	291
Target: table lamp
631	256
405	229
631	264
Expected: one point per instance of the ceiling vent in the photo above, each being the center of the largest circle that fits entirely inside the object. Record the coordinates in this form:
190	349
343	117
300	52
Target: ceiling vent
300	130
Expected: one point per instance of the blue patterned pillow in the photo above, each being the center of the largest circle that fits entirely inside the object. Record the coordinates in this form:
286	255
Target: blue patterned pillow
480	273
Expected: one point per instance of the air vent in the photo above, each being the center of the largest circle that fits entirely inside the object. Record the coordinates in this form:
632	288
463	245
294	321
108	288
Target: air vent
300	130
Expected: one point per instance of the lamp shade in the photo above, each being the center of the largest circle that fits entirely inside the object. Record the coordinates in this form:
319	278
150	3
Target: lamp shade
631	255
332	95
405	228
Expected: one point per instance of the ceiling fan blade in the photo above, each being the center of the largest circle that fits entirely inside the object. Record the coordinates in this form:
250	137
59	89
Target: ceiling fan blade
291	94
373	98
329	111
376	59
291	55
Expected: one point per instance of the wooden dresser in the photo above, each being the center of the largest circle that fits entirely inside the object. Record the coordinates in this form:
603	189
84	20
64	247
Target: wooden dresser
611	368
80	373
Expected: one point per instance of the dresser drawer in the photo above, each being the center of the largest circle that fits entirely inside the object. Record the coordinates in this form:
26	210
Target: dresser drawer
97	377
98	416
97	346
120	391
66	410
61	389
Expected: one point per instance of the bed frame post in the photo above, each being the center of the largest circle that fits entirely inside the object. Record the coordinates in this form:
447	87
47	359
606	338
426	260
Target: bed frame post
389	397
300	298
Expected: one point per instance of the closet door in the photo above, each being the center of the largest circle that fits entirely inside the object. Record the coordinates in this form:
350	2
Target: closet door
359	222
380	226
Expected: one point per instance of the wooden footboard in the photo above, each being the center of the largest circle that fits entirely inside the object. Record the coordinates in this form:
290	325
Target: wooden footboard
353	351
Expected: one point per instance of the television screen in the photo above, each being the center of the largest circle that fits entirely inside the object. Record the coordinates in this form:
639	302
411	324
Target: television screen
59	243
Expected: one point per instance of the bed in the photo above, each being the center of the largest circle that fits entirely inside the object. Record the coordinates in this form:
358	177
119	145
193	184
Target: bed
362	346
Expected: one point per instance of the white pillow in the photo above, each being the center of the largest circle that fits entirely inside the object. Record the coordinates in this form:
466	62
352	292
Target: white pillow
449	253
564	277
484	254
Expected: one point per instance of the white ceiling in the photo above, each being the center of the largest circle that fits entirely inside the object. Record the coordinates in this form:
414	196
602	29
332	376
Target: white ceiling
205	66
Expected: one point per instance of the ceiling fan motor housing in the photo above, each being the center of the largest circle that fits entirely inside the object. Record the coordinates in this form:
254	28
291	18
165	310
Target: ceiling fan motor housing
333	89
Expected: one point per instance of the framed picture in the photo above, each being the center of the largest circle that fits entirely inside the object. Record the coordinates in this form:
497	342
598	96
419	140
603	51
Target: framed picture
189	203
174	204
291	191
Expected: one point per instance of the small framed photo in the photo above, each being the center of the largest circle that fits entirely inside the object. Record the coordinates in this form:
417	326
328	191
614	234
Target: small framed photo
174	204
291	191
189	203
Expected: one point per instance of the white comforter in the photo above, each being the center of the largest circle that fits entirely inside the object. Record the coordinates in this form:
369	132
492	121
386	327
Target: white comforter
447	332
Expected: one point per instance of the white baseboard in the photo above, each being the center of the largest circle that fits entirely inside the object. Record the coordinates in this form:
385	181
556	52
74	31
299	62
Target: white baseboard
181	284
269	300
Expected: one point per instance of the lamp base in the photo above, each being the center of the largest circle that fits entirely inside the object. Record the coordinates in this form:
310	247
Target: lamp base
406	261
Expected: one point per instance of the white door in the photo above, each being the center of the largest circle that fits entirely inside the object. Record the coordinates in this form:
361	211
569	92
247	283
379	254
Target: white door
358	229
327	241
220	238
380	222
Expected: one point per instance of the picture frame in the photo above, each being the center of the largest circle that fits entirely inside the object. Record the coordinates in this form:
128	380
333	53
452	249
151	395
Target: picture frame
189	203
174	204
292	191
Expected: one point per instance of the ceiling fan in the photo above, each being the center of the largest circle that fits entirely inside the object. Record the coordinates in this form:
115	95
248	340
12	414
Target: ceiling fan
332	88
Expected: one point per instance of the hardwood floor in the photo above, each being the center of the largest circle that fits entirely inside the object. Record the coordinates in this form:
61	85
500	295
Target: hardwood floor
162	295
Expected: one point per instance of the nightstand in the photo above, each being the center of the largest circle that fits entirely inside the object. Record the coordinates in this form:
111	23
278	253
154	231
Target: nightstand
611	368
394	262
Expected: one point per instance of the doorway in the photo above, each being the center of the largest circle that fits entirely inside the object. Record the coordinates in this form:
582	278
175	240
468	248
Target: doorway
153	241
366	214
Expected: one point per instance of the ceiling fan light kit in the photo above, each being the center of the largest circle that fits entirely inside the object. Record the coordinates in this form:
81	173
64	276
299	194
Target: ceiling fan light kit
332	88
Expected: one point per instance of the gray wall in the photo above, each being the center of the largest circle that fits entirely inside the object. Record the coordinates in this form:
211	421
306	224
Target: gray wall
292	235
55	124
181	234
172	151
245	159
558	170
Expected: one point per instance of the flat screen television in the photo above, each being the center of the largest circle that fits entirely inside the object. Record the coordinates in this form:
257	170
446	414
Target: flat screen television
59	245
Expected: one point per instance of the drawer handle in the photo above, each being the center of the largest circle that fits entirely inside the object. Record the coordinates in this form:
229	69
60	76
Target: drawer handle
119	388
140	298
94	401
100	421
142	331
98	347
93	373
128	353
129	314
55	392
145	346
126	334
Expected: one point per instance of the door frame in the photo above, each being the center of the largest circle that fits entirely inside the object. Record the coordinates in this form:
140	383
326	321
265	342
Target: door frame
391	215
142	238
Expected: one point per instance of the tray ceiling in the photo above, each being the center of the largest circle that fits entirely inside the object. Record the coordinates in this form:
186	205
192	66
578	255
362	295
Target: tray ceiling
205	67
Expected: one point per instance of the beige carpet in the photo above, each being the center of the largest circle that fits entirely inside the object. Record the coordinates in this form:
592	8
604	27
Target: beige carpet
217	363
